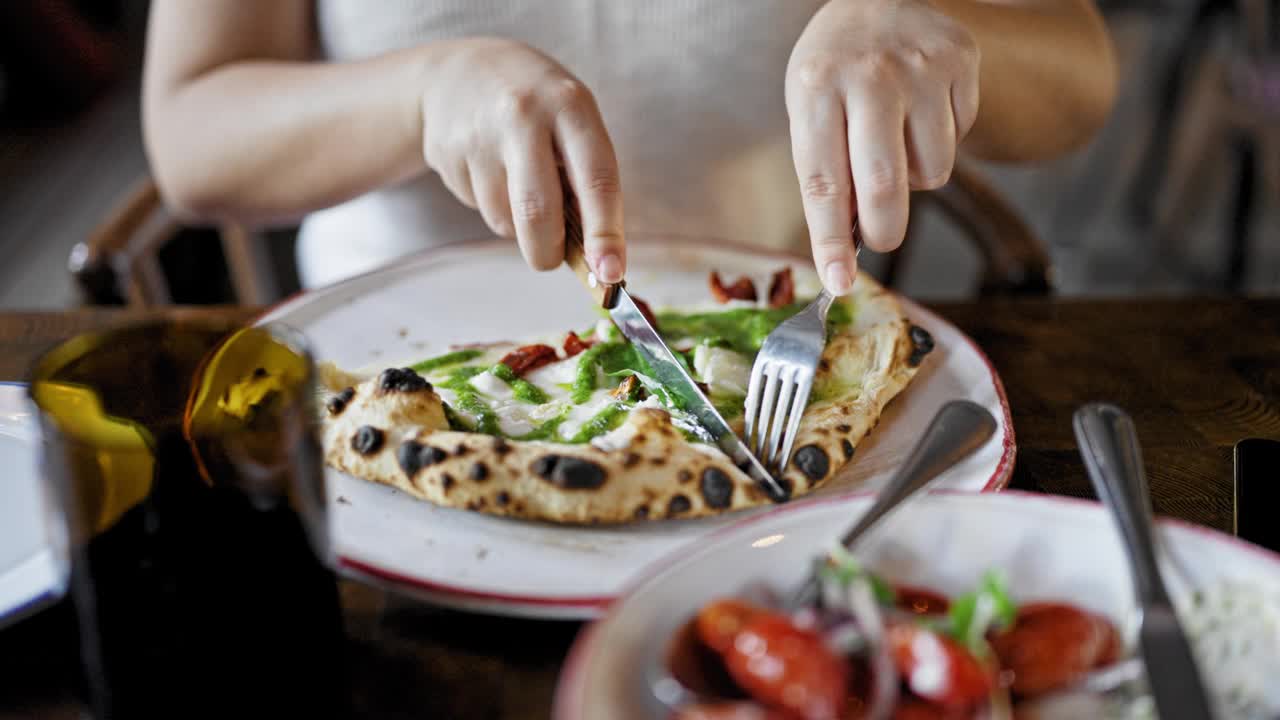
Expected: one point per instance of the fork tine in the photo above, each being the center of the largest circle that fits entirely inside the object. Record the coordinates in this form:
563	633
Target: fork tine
766	408
803	389
753	400
785	379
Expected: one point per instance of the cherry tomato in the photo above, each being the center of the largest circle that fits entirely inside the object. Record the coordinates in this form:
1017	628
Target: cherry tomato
916	709
1051	645
1112	647
718	623
745	710
920	601
937	668
789	668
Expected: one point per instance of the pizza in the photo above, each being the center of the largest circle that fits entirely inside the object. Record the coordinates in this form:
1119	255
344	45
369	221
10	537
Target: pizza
572	428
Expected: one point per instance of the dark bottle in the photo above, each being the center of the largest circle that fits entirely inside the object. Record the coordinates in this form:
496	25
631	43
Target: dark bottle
188	468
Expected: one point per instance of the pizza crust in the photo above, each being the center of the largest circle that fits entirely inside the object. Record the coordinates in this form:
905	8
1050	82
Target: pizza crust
644	470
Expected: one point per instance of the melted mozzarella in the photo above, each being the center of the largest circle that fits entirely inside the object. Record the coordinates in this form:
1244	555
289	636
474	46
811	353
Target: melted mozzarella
491	385
550	377
724	370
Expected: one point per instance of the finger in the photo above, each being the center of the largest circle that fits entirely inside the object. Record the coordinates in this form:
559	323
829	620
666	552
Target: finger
533	186
489	187
458	181
819	147
931	144
878	156
592	168
964	103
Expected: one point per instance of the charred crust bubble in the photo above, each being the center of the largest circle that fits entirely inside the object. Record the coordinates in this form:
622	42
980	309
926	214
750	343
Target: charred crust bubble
630	460
367	440
845	429
847	447
570	473
402	380
678	505
502	498
409	456
339	402
716	487
446	481
461	450
259	373
478	472
501	446
921	343
684	476
413	456
813	462
641	512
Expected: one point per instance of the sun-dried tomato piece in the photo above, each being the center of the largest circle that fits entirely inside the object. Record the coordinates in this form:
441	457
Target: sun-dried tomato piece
741	289
646	311
574	344
782	289
528	358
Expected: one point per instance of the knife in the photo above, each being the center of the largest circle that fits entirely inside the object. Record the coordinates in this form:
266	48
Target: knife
667	369
1113	461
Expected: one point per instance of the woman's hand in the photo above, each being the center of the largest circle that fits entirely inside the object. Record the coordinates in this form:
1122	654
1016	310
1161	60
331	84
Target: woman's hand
497	118
880	93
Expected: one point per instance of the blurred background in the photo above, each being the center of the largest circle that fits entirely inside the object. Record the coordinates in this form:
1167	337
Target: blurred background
1180	194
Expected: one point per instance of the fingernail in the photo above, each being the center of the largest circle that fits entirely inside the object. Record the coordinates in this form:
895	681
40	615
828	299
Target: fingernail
609	268
839	279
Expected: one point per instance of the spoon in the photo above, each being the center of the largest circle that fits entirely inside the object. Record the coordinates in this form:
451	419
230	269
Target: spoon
958	429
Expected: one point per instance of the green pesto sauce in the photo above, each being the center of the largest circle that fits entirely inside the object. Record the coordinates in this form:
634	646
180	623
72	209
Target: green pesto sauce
545	431
740	329
602	422
446	360
729	406
523	390
468	400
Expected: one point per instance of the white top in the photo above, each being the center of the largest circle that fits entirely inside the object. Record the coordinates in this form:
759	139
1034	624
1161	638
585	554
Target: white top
691	92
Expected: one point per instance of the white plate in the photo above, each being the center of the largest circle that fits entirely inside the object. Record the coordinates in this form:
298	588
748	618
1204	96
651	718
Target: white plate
1050	548
33	564
483	292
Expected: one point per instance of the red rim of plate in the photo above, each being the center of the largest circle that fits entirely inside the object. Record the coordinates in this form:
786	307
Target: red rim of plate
494	600
565	707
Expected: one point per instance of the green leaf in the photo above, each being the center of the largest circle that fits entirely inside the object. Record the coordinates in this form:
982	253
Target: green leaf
985	608
843	568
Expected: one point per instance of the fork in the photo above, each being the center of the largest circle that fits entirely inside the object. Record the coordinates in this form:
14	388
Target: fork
782	379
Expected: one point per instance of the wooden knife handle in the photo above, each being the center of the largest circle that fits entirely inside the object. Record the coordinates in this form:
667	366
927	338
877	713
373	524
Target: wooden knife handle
575	252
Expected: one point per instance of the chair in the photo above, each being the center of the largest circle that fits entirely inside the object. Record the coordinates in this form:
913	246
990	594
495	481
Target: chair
1217	102
120	262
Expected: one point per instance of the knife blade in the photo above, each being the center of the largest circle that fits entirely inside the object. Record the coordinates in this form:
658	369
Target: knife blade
1171	667
666	368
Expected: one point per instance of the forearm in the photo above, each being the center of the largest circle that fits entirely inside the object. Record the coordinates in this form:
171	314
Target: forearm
264	140
1047	76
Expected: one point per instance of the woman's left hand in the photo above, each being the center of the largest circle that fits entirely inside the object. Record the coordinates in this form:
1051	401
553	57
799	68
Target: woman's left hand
879	93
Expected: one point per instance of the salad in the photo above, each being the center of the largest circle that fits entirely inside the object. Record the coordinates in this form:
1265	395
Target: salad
869	649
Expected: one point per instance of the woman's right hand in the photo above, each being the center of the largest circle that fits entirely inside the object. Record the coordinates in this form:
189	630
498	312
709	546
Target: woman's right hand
497	118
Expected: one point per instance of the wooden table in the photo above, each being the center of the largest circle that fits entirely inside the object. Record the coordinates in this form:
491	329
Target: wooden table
1197	376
